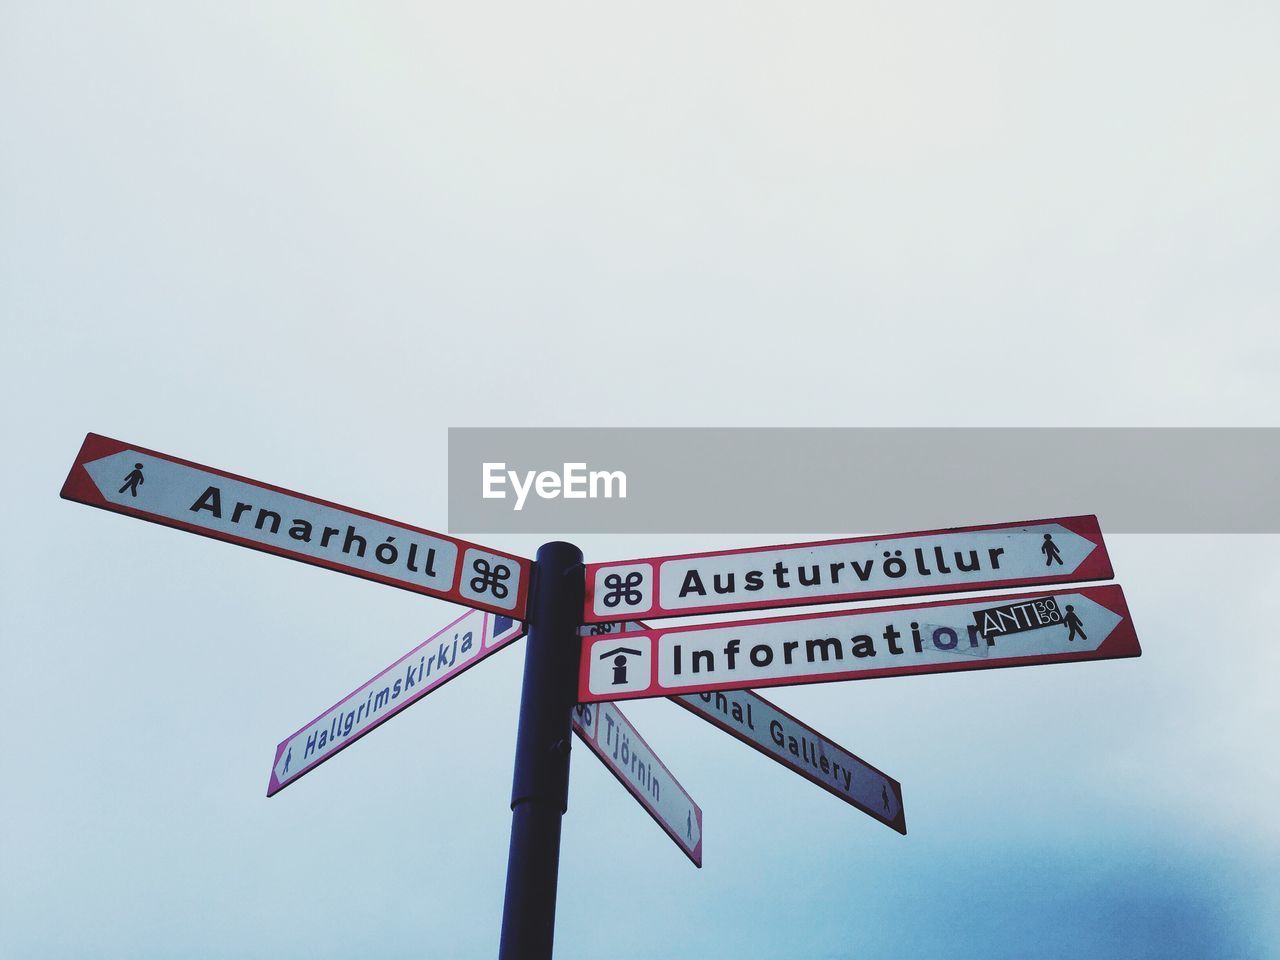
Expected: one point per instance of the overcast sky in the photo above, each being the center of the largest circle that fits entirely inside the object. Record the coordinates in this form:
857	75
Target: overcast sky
300	241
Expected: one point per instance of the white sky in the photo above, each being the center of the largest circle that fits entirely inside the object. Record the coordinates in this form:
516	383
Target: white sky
299	241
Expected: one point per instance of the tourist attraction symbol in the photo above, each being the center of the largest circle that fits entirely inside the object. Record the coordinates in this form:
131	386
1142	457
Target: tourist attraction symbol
446	654
612	738
960	559
1013	630
154	486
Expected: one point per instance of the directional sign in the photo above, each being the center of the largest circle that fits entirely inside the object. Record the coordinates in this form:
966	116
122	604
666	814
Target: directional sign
177	493
772	731
768	728
1089	623
612	738
443	656
1030	553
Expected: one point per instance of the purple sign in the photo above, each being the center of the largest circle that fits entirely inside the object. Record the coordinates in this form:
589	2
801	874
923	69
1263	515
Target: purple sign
463	643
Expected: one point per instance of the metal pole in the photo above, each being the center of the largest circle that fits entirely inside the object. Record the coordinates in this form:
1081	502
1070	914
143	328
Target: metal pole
540	790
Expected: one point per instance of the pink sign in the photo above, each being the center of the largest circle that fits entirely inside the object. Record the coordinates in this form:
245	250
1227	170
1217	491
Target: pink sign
434	662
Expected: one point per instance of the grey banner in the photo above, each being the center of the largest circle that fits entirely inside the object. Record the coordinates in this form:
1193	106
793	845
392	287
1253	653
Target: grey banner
866	480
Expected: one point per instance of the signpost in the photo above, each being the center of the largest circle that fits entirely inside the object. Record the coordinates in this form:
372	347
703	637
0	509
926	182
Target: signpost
585	650
612	738
1091	623
154	486
446	654
989	557
765	727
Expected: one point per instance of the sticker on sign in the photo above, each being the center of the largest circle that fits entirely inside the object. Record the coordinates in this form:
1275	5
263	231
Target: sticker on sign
612	738
1090	623
154	486
446	654
993	556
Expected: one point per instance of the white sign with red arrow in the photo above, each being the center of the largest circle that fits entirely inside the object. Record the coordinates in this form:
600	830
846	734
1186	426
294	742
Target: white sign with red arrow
177	493
1089	623
994	556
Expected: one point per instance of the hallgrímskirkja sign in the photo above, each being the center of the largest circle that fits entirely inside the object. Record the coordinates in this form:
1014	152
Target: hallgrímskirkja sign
446	654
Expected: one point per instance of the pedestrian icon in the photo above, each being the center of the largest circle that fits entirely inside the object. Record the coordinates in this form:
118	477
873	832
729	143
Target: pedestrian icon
619	655
1050	551
132	479
884	797
1073	624
288	758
